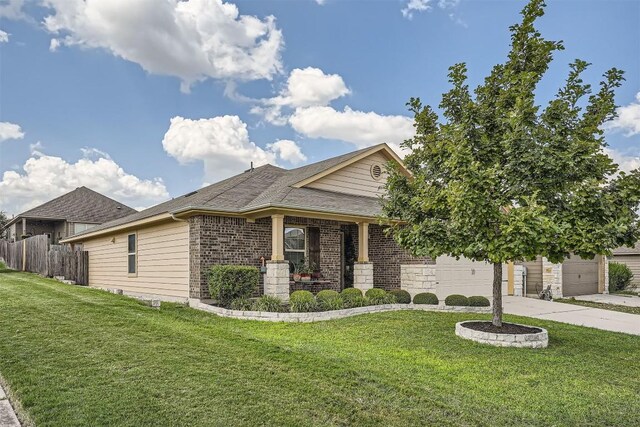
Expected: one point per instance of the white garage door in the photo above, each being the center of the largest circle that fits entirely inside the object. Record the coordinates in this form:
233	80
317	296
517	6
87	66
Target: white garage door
579	276
465	277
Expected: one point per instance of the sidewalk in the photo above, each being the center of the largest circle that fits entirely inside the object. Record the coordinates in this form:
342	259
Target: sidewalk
8	416
573	314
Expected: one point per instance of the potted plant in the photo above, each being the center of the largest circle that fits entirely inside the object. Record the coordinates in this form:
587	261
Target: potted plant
296	271
305	271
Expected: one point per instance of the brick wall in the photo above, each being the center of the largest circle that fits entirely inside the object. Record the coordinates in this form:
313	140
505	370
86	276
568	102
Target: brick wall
234	241
225	241
387	257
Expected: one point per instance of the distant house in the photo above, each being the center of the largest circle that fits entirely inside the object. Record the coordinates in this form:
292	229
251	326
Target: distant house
325	214
631	258
69	214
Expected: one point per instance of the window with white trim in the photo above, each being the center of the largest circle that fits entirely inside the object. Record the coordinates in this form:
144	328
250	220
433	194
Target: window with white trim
295	245
132	253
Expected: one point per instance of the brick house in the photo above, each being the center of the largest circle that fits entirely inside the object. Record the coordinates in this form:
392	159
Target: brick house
71	213
323	215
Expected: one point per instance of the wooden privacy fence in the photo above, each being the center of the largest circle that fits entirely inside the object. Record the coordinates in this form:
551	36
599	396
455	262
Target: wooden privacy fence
37	256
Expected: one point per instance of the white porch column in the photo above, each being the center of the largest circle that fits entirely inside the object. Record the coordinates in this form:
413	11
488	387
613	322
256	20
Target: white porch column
277	237
363	269
552	276
276	280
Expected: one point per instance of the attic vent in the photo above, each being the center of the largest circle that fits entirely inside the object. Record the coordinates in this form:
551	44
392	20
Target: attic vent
376	172
190	194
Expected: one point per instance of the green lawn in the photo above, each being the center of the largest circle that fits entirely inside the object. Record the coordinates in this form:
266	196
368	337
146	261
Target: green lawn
602	305
77	357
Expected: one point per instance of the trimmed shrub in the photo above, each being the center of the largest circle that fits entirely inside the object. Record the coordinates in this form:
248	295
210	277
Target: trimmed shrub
426	298
620	276
327	294
268	303
329	300
347	292
352	297
477	301
456	300
302	302
243	304
402	296
228	282
378	296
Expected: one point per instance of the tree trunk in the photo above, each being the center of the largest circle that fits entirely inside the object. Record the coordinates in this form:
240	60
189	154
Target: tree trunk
497	294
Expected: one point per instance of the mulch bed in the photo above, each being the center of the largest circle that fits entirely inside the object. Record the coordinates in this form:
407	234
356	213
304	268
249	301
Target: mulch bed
507	328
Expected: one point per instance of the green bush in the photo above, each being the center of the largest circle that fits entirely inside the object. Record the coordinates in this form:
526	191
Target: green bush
268	303
329	300
377	296
426	298
228	282
402	296
456	300
352	297
302	302
477	301
243	304
620	276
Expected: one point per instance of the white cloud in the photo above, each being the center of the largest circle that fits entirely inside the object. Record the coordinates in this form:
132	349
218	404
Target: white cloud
288	151
625	163
12	9
360	128
10	131
222	143
304	88
45	177
320	2
415	6
4	36
192	40
628	119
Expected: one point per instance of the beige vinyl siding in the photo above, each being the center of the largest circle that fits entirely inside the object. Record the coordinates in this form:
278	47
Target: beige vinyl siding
534	276
355	178
633	262
162	261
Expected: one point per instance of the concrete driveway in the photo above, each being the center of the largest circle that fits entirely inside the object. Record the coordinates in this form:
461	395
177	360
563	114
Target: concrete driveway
611	299
573	314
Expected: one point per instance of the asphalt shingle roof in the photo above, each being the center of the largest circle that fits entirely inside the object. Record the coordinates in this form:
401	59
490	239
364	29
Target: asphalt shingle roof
264	186
80	205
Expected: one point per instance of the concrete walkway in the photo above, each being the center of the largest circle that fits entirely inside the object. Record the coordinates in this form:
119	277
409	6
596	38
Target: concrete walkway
611	299
573	314
8	417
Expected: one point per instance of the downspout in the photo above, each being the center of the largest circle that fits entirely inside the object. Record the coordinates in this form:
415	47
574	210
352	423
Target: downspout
173	217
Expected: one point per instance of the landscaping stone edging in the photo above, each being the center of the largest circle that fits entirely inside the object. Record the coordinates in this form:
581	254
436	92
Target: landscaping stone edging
535	340
327	315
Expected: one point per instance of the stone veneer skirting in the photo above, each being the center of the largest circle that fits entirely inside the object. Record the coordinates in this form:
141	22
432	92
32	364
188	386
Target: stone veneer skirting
536	340
327	315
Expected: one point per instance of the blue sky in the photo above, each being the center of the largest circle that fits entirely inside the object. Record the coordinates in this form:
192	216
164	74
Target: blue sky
298	81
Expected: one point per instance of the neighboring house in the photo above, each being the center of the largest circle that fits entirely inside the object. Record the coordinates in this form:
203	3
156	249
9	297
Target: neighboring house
630	257
64	216
325	213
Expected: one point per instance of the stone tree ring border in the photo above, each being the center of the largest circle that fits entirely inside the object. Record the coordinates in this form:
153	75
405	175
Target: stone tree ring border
534	340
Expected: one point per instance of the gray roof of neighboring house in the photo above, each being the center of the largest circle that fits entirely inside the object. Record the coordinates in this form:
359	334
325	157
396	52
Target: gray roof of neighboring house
264	186
623	250
80	205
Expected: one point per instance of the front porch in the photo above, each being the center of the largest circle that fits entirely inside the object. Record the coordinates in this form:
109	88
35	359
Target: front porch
323	252
337	252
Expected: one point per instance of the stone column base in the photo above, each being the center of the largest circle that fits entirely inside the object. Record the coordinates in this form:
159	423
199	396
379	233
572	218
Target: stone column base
552	275
276	280
518	280
418	278
363	276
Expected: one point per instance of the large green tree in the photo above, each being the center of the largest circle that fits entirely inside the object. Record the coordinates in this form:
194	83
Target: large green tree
500	178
